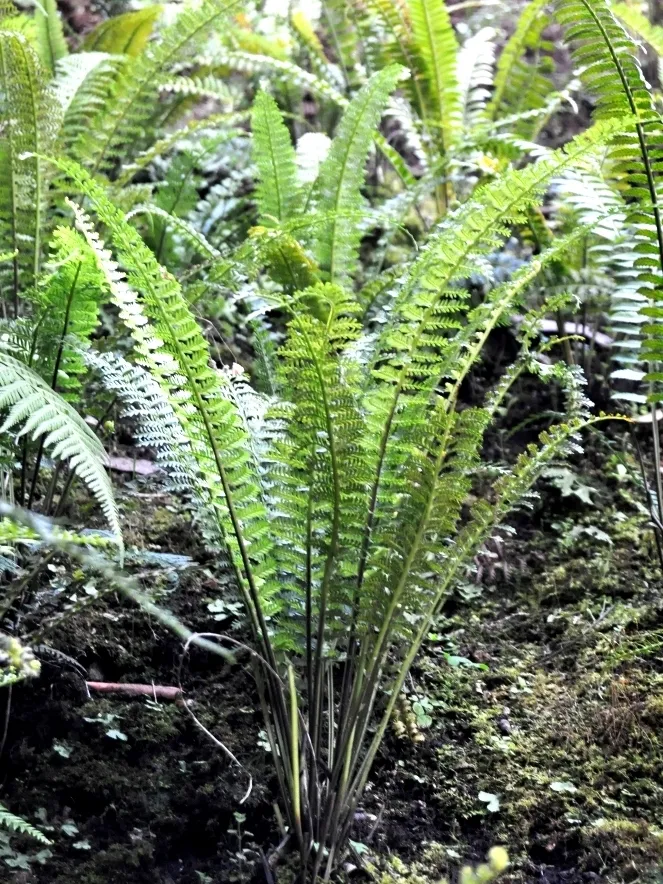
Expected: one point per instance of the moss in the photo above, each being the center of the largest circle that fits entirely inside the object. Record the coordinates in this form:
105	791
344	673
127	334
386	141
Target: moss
614	844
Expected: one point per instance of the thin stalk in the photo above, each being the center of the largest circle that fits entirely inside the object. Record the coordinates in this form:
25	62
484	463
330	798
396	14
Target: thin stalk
294	757
54	378
316	698
657	525
658	466
72	476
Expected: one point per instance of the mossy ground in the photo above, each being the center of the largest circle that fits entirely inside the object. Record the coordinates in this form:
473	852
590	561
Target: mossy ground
538	704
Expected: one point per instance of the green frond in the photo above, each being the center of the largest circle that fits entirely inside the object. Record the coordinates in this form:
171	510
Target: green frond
153	419
519	84
639	25
285	71
81	86
338	186
199	86
437	49
191	235
31	116
337	19
51	43
194	127
613	76
277	193
177	354
66	302
130	103
18	824
126	34
388	39
290	73
42	414
282	256
317	475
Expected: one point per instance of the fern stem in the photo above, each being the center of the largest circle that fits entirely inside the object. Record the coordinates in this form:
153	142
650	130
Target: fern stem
13	212
333	546
54	378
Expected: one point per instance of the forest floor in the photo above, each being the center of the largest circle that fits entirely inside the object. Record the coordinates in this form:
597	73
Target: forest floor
538	702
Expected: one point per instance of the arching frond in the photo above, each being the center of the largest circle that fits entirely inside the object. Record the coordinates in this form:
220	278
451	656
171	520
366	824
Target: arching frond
177	354
18	824
129	104
476	62
519	84
40	413
125	34
613	75
66	303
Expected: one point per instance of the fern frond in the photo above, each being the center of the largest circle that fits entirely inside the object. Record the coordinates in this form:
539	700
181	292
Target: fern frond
317	478
476	62
437	48
639	25
178	356
519	86
71	73
18	824
194	127
42	413
154	421
82	85
125	34
189	233
277	193
130	104
51	43
30	113
207	86
337	189
613	75
337	16
66	302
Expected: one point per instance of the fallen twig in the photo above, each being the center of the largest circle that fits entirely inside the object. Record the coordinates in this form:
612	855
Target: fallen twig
156	691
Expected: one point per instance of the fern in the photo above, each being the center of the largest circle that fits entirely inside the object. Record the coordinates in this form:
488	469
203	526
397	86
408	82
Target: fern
18	824
67	303
476	60
437	49
519	86
639	25
144	404
275	157
42	413
125	34
31	114
178	356
341	172
613	74
129	106
51	43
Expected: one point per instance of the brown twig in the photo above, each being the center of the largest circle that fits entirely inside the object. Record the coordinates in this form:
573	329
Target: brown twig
156	691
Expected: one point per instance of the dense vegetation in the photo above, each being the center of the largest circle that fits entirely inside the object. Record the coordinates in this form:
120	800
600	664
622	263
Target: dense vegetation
371	294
